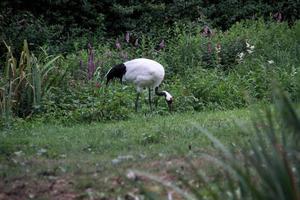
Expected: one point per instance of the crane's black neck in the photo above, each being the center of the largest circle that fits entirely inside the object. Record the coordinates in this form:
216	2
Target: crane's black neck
117	71
159	93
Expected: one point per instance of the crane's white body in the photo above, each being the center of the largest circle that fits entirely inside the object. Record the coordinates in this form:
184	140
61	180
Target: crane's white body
144	73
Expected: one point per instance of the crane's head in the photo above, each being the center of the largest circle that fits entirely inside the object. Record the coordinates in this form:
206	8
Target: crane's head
117	71
169	99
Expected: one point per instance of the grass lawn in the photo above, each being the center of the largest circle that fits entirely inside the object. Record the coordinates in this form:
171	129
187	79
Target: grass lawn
85	161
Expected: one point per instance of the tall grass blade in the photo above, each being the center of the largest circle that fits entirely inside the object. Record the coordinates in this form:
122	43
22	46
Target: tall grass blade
36	84
165	184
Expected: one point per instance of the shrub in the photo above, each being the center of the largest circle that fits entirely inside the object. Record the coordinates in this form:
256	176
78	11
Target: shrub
223	70
25	82
85	103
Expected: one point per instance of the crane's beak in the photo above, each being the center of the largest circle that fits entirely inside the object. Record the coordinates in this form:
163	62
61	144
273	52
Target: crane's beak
170	105
107	81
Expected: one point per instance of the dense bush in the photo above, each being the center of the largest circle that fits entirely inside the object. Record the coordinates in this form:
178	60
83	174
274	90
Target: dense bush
224	70
62	23
85	104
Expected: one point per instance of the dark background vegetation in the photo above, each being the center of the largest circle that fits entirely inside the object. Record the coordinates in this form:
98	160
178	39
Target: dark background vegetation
59	23
217	54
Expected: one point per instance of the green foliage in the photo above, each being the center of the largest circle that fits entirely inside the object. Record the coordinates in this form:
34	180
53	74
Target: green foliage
231	50
224	14
237	173
224	70
61	24
24	83
271	159
24	26
183	54
79	104
58	37
269	162
142	134
213	90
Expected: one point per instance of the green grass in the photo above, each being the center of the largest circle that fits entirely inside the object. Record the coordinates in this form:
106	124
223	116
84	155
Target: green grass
38	150
143	134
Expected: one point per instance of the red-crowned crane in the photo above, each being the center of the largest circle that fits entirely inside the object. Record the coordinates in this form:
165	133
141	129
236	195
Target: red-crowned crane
143	73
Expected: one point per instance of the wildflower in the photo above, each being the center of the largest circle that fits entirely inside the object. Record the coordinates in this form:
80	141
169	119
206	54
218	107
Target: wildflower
127	37
241	55
136	43
206	31
162	44
271	62
250	48
118	44
91	63
278	16
247	44
249	51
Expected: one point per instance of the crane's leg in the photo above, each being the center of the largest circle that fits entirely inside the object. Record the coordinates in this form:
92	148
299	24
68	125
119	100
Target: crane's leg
156	99
137	101
150	102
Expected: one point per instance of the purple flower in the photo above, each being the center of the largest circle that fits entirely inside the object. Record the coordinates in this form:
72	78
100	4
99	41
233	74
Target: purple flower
278	16
206	31
136	43
91	64
127	37
162	44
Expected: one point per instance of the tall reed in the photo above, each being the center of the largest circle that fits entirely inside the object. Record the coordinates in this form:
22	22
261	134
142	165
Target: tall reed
23	83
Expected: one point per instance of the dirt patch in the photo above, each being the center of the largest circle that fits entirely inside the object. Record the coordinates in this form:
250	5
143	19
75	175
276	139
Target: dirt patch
108	184
31	188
